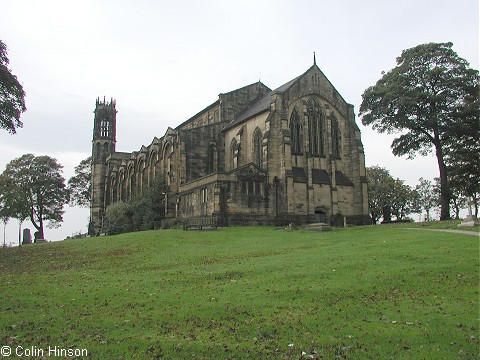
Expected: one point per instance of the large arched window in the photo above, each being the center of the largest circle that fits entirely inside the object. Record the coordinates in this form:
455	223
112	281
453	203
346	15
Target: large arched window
335	138
296	133
257	147
315	128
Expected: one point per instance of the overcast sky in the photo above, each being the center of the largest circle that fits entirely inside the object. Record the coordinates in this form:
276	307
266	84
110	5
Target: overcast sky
163	61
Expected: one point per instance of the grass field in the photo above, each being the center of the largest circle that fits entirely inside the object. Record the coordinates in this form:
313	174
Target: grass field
445	225
379	292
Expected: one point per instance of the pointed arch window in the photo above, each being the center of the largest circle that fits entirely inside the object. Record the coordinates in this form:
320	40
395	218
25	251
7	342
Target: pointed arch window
257	147
104	128
152	167
99	151
335	138
315	128
234	152
212	159
296	133
113	190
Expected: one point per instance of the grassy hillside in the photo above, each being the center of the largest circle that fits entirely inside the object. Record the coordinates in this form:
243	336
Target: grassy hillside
359	293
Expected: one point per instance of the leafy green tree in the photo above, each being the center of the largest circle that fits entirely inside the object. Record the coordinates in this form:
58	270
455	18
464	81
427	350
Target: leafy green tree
4	217
80	185
154	200
13	205
402	200
36	184
140	213
423	99
427	196
12	96
118	218
462	158
380	190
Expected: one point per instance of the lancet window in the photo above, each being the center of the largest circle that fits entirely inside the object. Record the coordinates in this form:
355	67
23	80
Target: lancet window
315	120
296	137
335	138
257	147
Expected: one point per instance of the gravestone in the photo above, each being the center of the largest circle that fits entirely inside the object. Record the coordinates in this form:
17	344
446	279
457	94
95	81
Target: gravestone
387	214
470	219
27	237
37	238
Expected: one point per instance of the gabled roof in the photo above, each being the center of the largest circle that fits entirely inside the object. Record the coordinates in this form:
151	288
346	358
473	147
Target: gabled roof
250	168
286	86
261	105
257	83
211	106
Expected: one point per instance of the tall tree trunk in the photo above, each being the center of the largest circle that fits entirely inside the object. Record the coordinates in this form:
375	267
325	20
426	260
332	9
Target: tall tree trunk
42	236
4	234
444	187
34	217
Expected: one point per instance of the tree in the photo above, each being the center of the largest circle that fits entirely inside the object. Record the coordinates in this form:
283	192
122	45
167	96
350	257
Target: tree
402	200
80	185
118	218
36	184
427	196
462	157
458	199
380	190
153	204
422	99
5	217
13	205
140	213
12	96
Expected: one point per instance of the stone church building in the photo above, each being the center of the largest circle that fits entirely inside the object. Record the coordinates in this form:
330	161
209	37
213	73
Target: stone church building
255	156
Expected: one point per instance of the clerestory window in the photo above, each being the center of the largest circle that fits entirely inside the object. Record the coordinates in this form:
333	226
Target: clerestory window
257	147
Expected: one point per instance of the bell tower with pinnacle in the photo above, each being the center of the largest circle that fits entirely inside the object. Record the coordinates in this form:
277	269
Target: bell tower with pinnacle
103	145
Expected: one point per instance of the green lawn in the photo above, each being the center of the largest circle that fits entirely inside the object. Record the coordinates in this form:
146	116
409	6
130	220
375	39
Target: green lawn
377	292
446	225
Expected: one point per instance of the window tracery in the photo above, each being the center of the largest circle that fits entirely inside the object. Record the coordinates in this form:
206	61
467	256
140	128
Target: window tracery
335	138
257	147
296	137
315	120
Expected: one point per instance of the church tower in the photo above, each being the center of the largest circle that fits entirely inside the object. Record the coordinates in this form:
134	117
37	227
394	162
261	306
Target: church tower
103	145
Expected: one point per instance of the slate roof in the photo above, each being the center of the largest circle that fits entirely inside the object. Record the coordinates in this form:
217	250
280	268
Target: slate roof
299	175
320	177
342	179
260	105
286	86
